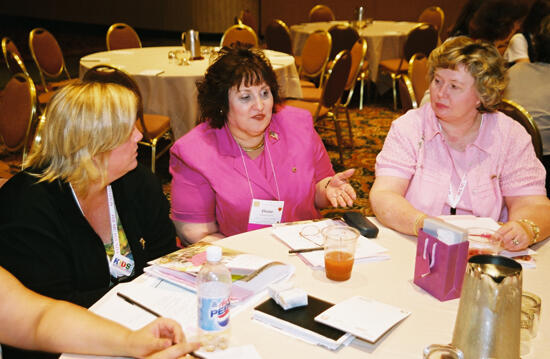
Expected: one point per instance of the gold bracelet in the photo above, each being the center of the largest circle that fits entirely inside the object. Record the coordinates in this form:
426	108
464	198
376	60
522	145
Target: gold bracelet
534	228
419	218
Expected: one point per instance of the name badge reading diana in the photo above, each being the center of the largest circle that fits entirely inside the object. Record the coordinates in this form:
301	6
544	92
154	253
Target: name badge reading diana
121	266
264	213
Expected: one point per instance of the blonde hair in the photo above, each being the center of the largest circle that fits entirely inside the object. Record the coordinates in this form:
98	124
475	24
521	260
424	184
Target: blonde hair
84	121
481	59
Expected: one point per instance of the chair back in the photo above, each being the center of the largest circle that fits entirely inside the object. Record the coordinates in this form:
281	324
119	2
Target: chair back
418	76
17	112
13	58
343	38
47	55
321	13
239	33
247	18
315	53
277	37
110	74
434	16
358	53
122	36
422	38
337	78
406	93
520	114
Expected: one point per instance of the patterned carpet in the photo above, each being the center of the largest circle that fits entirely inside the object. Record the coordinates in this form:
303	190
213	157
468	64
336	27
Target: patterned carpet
370	127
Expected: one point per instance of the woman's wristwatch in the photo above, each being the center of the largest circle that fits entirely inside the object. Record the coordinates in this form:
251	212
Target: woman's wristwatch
525	223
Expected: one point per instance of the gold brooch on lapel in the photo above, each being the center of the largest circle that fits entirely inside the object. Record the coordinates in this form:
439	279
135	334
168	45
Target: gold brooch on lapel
274	135
293	169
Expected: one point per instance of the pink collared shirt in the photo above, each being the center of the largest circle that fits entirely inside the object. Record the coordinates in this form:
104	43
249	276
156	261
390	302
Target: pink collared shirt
210	182
501	162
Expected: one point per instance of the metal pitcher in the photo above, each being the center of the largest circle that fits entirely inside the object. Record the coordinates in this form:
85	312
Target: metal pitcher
190	41
488	319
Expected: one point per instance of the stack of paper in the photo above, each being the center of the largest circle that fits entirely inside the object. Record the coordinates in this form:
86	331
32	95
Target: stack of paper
182	266
363	317
293	236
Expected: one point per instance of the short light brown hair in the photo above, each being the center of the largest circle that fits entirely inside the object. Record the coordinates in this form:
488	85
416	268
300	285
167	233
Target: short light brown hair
84	121
481	59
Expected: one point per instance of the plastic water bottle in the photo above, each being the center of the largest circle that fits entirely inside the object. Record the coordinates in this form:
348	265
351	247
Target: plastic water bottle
213	289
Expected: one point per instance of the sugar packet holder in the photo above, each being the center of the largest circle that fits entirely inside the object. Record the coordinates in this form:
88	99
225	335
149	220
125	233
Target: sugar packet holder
439	266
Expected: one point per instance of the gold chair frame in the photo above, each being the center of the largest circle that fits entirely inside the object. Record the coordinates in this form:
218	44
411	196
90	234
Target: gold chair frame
321	70
43	72
321	7
286	29
12	56
434	9
117	27
239	27
31	119
527	122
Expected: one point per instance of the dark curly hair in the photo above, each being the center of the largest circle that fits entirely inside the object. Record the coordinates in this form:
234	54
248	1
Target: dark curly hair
234	66
494	20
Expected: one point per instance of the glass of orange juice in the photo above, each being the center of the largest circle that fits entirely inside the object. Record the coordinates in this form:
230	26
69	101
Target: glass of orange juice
340	242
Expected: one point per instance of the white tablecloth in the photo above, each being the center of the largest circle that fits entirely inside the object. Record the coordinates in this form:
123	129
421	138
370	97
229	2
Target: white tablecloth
385	39
169	89
387	281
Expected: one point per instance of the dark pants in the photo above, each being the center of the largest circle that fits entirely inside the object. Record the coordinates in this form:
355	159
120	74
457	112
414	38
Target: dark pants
546	162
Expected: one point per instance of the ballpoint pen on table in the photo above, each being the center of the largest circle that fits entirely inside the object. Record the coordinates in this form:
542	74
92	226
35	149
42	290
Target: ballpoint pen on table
304	250
149	310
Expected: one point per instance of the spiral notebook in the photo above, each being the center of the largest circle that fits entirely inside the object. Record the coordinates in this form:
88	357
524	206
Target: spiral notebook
299	322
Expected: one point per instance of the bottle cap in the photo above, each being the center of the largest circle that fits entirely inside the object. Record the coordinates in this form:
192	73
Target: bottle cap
213	253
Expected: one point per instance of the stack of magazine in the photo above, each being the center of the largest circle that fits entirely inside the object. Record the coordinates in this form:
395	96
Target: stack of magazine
251	274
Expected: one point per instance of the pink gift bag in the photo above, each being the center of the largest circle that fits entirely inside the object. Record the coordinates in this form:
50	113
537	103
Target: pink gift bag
439	267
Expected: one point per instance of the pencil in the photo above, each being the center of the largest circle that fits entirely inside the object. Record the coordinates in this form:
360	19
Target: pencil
304	250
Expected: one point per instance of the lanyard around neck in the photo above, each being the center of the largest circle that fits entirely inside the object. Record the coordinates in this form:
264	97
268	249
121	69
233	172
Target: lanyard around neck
272	169
112	217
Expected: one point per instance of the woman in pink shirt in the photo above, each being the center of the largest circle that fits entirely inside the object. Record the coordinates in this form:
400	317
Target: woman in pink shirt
458	155
251	162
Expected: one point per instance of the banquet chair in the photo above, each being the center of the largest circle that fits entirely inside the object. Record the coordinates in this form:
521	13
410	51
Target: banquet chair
314	58
418	77
246	18
358	53
333	88
13	58
343	38
18	114
122	36
152	126
434	16
239	33
406	93
422	38
520	114
277	37
320	13
50	62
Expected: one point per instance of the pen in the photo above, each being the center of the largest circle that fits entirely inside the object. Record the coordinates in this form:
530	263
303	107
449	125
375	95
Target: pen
133	302
304	250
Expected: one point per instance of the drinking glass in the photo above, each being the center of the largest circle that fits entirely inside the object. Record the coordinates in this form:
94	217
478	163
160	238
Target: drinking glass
183	57
340	243
526	330
531	302
439	351
482	242
172	59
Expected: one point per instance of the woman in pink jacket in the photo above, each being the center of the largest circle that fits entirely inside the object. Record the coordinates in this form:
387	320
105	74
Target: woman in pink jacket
251	162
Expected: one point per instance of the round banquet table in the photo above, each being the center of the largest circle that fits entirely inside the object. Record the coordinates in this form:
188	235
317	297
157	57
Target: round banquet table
169	89
388	281
385	39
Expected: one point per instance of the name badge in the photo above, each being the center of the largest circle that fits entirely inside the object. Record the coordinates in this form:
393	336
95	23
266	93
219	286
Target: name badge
121	266
264	213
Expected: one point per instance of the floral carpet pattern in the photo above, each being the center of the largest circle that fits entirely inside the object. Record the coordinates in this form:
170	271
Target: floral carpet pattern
370	127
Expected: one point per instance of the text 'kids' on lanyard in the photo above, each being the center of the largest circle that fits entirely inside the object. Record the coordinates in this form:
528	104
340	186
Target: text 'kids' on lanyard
119	265
263	213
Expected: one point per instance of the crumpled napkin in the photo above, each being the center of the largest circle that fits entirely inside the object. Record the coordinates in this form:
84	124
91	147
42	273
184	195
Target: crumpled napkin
287	296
